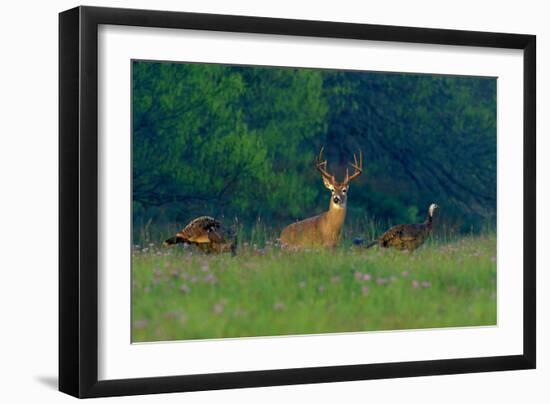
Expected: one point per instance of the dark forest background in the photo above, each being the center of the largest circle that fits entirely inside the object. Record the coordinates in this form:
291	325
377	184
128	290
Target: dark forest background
239	142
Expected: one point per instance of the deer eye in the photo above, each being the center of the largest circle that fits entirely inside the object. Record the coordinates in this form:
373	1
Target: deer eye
344	191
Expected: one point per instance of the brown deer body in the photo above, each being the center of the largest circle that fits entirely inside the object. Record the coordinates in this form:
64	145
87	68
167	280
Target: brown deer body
323	230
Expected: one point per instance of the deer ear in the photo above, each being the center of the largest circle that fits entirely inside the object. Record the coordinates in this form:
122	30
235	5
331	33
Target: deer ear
328	184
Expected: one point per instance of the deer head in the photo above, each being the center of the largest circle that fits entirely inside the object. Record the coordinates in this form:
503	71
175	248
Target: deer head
339	190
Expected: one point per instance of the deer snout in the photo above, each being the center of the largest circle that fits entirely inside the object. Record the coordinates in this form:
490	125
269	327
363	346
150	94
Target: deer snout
336	199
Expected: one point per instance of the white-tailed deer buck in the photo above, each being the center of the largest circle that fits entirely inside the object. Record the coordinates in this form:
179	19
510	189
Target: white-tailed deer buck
323	230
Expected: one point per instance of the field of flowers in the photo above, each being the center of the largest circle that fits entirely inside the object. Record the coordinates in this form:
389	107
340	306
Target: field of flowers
179	293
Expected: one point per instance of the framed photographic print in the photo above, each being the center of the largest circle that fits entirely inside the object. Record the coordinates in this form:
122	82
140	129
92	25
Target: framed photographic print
251	201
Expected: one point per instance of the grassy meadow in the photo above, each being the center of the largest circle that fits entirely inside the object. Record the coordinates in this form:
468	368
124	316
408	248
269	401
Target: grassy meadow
180	293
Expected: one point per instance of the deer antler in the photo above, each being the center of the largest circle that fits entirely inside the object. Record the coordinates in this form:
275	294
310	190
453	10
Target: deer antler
358	168
322	167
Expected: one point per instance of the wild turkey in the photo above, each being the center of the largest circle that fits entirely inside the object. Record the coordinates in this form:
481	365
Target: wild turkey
206	233
406	236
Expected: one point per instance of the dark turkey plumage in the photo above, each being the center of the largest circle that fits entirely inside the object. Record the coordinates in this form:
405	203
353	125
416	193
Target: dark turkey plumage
407	236
207	234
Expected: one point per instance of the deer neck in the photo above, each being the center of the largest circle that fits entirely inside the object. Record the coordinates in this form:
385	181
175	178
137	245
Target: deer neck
334	217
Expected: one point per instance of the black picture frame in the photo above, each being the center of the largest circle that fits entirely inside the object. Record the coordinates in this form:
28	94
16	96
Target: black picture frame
78	201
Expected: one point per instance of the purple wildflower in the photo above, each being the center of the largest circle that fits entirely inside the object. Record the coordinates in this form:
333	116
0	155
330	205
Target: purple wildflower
210	278
141	324
218	308
381	281
184	288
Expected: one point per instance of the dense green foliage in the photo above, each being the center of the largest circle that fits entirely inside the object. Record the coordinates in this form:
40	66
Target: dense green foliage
239	142
178	295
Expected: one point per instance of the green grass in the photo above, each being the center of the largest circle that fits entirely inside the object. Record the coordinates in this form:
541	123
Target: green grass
182	294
